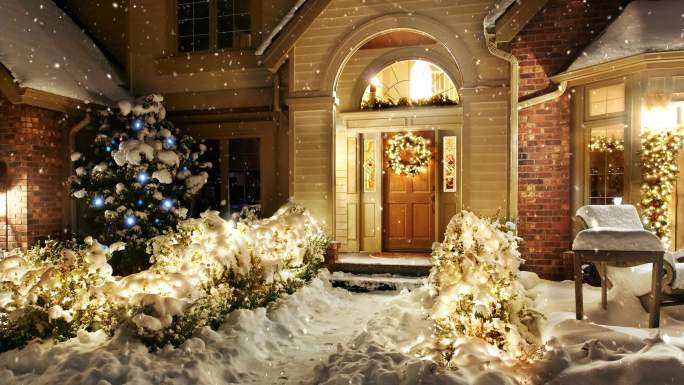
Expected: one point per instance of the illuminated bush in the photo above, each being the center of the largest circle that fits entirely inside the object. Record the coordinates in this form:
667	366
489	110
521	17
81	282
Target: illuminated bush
201	271
475	275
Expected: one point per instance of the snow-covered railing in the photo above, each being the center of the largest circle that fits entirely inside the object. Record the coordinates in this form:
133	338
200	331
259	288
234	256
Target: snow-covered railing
201	271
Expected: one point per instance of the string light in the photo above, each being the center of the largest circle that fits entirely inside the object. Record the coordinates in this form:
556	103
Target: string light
167	204
130	220
606	144
143	177
98	201
138	125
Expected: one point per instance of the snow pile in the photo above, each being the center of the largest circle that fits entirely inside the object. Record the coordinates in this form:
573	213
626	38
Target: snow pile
45	50
249	347
475	274
201	271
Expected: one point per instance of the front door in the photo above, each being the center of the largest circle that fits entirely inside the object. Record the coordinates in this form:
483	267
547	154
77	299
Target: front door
409	204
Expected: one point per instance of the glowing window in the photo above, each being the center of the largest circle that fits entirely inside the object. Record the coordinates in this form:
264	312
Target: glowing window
410	80
607	100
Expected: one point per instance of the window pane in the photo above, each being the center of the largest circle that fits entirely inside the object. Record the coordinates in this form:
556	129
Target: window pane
242	22
244	173
225	24
241	6
225	40
193	25
225	7
606	163
607	100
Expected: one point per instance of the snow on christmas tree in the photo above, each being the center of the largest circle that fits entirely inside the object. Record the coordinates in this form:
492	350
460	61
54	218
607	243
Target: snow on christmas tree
138	177
479	294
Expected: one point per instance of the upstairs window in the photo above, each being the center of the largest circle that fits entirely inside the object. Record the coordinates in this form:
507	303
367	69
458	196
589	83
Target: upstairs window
205	25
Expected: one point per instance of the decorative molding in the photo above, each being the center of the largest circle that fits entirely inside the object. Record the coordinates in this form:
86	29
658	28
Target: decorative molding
457	49
449	163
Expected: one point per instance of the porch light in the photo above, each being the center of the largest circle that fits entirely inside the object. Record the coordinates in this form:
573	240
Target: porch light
421	80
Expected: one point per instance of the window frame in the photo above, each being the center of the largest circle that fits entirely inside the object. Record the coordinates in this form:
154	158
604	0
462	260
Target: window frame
255	28
587	123
602	84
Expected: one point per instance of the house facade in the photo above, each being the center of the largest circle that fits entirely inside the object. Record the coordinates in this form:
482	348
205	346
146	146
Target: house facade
295	101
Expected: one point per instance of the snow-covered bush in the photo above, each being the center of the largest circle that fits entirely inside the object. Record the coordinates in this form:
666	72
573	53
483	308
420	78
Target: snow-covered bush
137	177
475	275
200	272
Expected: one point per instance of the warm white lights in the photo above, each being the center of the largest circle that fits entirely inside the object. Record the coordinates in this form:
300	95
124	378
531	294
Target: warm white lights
420	86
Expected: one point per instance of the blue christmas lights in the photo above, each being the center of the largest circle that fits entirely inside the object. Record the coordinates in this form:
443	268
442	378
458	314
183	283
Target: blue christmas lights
140	202
143	177
98	201
167	204
138	125
157	221
130	220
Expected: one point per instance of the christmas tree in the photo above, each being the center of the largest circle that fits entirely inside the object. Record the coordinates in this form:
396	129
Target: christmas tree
138	177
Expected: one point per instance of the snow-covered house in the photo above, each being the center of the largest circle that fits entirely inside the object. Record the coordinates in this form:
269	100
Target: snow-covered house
50	70
281	90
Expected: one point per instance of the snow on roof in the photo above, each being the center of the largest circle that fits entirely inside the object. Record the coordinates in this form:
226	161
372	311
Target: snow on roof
283	23
45	50
644	26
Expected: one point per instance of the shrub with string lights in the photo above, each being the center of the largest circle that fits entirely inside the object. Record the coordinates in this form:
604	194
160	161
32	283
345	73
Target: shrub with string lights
137	177
479	294
659	153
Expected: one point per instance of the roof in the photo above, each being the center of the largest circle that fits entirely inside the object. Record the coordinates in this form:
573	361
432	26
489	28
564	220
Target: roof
644	26
45	50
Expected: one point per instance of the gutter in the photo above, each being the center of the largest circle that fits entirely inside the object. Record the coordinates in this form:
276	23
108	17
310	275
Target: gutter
488	26
545	97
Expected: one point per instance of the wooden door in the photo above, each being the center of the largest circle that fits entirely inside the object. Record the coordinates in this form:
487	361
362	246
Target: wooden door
409	205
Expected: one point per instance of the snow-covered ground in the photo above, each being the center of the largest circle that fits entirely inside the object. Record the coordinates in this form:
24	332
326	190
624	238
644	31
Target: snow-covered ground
324	335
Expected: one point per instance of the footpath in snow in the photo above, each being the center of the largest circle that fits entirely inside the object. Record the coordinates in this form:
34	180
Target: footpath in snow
323	335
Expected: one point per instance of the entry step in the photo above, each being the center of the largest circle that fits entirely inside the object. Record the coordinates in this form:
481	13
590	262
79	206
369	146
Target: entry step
408	265
372	282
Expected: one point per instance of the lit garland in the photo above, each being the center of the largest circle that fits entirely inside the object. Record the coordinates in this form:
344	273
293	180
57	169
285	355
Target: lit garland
479	294
606	144
408	154
659	151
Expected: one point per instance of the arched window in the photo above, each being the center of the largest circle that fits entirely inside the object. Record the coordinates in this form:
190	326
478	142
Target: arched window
410	82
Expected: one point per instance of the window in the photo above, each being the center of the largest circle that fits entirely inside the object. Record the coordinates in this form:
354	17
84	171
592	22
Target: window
244	187
193	25
233	24
412	80
606	163
607	100
213	24
604	129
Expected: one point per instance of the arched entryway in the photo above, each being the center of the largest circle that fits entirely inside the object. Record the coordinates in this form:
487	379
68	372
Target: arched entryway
397	82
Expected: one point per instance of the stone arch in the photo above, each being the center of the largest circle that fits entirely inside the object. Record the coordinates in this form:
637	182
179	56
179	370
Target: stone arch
456	48
400	54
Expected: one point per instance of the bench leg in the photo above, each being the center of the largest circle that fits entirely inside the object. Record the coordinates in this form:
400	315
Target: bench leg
604	285
578	286
656	292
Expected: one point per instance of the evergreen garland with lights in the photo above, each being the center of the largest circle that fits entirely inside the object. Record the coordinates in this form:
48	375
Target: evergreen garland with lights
659	152
606	144
137	178
408	154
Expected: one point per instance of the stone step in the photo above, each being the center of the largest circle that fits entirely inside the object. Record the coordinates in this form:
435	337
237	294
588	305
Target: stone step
372	282
407	265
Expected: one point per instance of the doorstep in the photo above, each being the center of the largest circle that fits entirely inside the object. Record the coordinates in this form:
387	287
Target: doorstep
402	264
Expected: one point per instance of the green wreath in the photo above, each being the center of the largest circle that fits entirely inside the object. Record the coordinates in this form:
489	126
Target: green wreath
408	154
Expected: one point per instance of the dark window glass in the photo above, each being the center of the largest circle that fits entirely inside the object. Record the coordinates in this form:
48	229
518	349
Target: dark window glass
233	24
244	187
209	197
193	25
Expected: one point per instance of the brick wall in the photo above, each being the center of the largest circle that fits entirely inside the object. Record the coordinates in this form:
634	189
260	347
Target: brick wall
31	146
546	47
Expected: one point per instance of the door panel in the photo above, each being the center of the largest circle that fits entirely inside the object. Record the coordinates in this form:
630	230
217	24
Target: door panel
409	205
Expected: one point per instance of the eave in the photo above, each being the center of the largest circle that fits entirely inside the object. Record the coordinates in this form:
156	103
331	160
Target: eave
509	25
623	66
276	53
29	96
